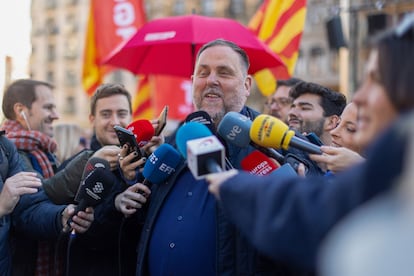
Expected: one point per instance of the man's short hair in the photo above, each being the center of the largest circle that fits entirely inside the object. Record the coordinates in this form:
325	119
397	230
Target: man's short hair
289	82
332	102
232	45
21	91
107	90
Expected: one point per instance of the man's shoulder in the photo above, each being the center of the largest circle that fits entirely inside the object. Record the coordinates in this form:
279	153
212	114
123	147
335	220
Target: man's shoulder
249	112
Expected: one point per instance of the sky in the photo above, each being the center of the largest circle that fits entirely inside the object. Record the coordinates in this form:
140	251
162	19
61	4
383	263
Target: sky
15	27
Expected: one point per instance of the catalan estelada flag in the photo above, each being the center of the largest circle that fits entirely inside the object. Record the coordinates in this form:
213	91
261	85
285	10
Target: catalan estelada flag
279	24
109	24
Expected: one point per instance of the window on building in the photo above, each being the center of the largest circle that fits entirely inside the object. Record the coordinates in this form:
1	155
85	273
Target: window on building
179	7
51	26
71	78
71	2
236	8
70	105
50	77
71	25
71	47
51	4
51	53
207	7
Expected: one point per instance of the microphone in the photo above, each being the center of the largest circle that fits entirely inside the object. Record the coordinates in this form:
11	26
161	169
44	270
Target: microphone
271	132
204	118
235	129
258	163
201	117
161	164
189	131
204	152
97	181
142	130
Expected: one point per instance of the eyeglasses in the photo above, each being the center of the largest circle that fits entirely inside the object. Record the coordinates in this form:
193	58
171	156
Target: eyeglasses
406	25
279	102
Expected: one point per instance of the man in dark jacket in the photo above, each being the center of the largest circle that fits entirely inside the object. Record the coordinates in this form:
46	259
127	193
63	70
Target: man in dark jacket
30	110
28	208
185	232
109	246
288	220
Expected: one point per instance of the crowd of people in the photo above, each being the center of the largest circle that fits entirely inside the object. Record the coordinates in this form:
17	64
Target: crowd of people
230	222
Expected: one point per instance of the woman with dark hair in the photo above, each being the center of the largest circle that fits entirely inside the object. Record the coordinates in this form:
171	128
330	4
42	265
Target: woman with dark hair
288	219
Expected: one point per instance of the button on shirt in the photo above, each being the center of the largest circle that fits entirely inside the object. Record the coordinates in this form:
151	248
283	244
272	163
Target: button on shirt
183	241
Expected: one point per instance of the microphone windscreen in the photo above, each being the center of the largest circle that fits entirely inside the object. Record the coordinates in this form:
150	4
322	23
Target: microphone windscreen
92	164
190	131
161	164
201	117
97	186
143	131
268	131
235	129
258	163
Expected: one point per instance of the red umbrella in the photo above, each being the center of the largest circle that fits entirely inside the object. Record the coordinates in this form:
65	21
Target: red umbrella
168	45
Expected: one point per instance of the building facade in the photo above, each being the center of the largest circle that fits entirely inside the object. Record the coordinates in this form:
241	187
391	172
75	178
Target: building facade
58	33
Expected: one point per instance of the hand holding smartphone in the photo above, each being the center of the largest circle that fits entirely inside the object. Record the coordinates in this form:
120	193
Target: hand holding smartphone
126	136
162	121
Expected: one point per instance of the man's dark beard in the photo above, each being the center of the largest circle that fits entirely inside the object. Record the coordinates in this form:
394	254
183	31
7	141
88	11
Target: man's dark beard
315	127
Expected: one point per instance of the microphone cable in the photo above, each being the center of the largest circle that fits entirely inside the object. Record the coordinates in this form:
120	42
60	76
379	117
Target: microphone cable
71	239
58	266
121	227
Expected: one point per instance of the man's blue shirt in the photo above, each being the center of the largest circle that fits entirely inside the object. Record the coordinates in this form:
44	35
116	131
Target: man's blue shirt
186	223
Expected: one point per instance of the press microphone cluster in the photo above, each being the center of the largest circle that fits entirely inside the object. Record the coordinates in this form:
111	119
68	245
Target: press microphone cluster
269	131
204	118
235	129
204	152
96	184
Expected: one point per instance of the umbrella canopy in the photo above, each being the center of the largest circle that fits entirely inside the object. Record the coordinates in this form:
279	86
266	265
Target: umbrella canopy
169	45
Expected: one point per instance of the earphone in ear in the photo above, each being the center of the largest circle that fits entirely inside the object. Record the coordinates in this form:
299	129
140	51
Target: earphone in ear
23	114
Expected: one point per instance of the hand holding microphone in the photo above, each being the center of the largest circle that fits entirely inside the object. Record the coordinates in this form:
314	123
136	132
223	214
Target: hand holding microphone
161	164
97	181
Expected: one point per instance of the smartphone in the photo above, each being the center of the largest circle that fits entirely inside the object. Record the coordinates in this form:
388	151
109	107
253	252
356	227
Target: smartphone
294	161
162	119
313	138
126	136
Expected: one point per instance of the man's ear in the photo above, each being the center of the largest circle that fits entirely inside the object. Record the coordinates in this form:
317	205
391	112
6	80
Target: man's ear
19	111
91	118
248	84
332	122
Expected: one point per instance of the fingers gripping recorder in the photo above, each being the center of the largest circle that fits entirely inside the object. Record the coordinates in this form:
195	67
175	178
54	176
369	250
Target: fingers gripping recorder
271	132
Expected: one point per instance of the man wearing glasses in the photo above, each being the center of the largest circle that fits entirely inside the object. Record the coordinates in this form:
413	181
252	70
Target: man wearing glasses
278	104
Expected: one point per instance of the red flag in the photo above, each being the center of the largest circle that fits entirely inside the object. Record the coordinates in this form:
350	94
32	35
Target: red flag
156	91
109	24
279	23
174	92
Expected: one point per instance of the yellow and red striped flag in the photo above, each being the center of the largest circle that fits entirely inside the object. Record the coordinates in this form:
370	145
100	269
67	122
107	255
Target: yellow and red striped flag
279	24
109	24
142	106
